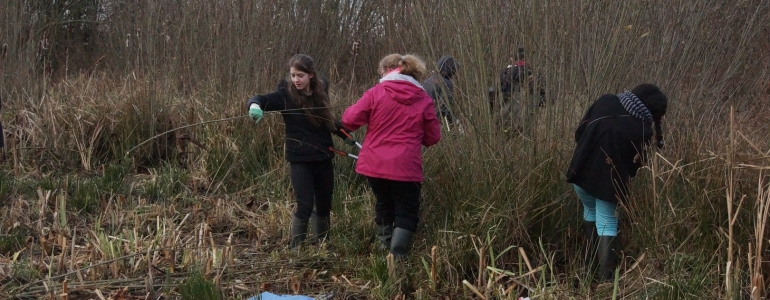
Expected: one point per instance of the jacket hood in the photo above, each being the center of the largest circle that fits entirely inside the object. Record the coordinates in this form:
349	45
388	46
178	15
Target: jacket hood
402	88
447	66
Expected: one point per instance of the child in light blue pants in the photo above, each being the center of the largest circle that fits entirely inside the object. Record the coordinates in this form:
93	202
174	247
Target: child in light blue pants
611	143
599	211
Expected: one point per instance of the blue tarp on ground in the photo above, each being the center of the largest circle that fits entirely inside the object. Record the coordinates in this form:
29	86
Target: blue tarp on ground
271	296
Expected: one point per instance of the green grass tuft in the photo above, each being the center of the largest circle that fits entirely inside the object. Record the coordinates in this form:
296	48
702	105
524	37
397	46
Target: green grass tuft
196	287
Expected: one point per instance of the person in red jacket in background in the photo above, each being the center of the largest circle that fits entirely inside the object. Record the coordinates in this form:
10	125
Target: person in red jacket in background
401	118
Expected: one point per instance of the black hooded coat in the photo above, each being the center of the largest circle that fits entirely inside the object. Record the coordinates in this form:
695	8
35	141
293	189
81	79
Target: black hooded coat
610	149
440	87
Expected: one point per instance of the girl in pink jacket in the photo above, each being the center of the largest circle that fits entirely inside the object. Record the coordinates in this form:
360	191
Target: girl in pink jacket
401	119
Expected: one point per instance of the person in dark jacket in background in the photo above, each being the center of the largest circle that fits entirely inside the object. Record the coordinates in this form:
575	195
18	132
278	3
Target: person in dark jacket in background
304	106
521	90
611	141
441	88
519	76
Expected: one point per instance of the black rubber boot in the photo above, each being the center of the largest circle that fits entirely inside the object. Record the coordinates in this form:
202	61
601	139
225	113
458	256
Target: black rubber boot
384	235
320	228
608	258
399	243
591	242
298	232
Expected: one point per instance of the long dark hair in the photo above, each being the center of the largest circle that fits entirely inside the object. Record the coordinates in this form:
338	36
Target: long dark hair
315	105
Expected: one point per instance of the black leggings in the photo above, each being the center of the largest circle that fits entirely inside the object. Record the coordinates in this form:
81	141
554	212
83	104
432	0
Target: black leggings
398	202
313	184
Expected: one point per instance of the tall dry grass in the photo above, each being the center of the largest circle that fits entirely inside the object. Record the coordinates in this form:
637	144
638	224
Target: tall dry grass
214	199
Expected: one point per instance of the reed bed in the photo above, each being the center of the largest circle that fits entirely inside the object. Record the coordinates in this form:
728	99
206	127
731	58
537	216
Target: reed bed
130	171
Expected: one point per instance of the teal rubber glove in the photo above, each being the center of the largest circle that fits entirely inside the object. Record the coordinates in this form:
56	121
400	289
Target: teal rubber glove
256	113
351	141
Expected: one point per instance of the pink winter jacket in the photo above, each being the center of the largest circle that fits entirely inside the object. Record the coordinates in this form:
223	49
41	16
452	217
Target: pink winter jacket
401	119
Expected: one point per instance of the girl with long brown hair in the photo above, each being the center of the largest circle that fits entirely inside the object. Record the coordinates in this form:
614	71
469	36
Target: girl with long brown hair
304	105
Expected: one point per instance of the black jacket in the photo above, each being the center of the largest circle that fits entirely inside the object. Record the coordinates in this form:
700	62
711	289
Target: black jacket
304	141
440	87
512	78
610	149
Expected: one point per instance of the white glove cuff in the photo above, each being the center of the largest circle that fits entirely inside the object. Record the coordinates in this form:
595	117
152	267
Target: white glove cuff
254	105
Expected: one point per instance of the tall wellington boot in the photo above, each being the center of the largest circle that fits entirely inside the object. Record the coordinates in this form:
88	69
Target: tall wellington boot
384	235
399	243
320	229
590	244
608	258
298	232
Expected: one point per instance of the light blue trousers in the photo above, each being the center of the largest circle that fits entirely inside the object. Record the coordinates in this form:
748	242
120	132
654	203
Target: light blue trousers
599	211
